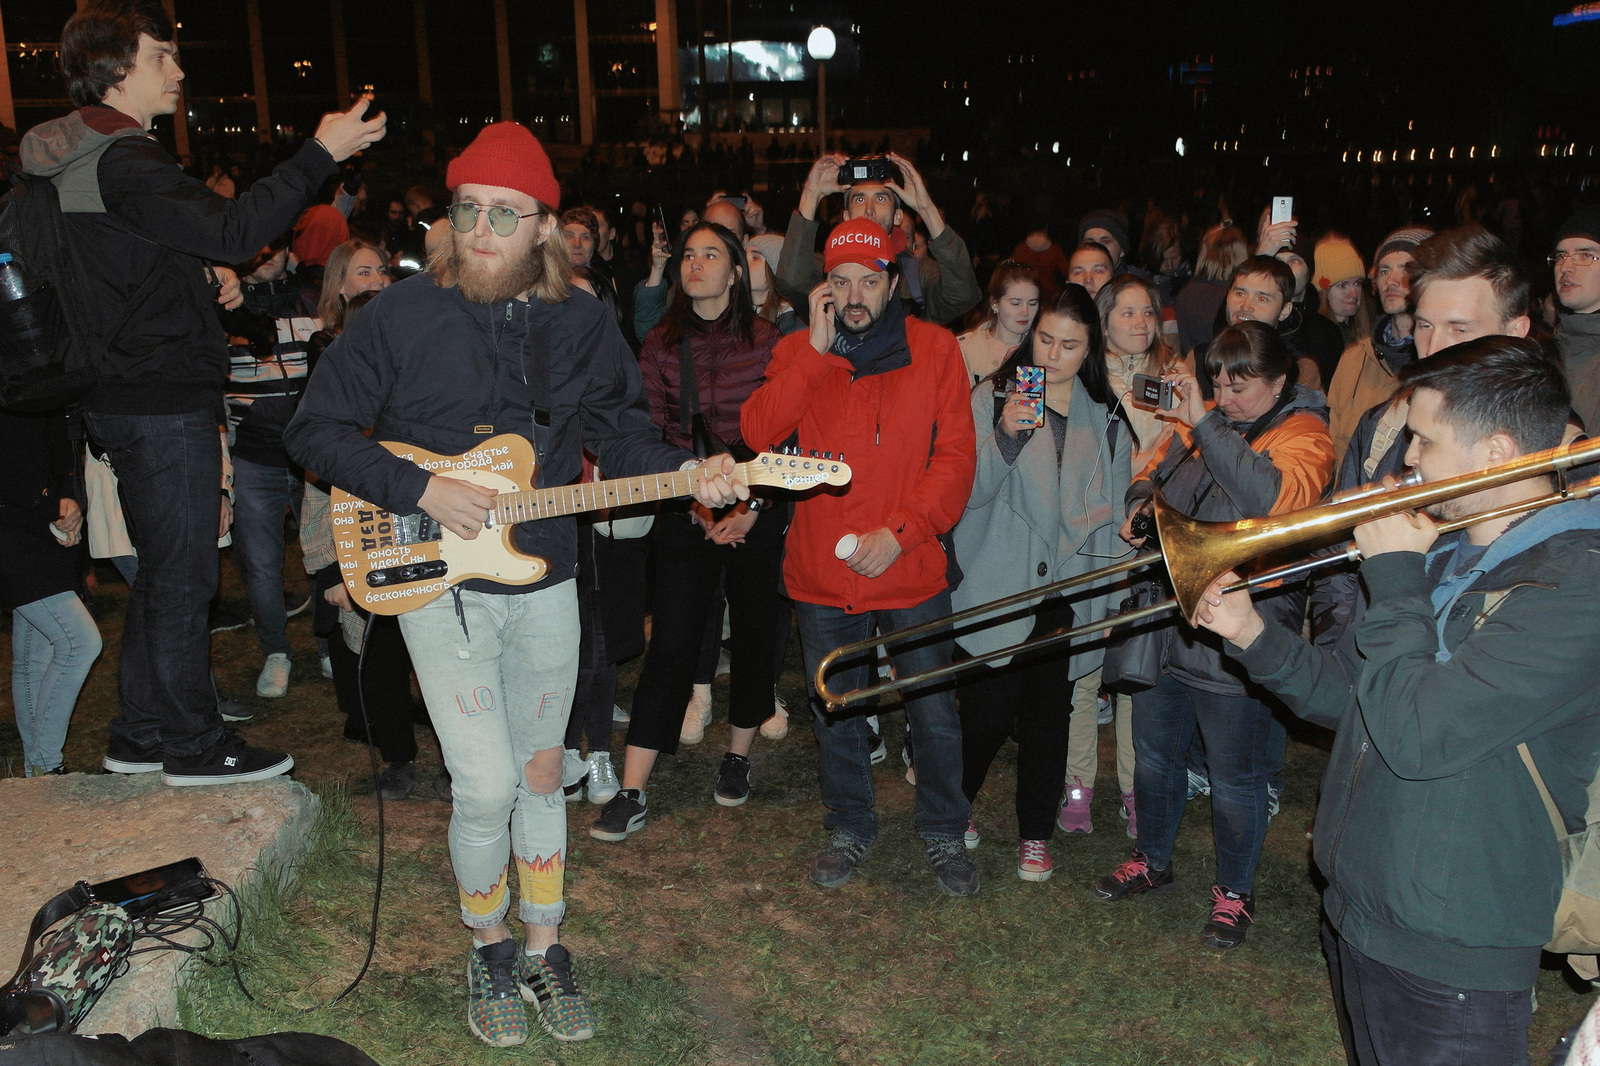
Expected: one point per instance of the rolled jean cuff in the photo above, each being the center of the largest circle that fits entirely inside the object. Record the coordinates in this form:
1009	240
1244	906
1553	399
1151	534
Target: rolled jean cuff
545	914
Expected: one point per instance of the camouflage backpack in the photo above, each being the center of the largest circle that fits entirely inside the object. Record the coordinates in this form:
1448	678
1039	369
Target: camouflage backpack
53	989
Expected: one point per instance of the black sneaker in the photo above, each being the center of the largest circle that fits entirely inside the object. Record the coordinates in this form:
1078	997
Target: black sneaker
230	761
733	780
836	863
124	758
620	818
957	873
234	711
399	780
1231	915
1132	878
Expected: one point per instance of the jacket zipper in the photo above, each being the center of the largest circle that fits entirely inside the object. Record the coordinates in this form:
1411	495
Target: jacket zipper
1344	819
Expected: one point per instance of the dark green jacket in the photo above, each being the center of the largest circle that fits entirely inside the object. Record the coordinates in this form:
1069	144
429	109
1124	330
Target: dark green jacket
1439	856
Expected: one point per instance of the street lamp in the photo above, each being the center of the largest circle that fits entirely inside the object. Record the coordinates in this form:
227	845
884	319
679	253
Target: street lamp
820	46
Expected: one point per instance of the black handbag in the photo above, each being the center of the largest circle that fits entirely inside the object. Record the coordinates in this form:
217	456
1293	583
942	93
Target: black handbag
1133	657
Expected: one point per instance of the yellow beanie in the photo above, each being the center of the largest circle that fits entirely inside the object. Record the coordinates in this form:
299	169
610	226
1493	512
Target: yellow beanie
1336	260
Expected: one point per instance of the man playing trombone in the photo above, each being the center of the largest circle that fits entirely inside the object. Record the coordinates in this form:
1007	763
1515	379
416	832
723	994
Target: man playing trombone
1469	679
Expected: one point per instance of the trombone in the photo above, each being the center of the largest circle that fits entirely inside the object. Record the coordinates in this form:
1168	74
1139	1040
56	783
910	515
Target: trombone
1196	553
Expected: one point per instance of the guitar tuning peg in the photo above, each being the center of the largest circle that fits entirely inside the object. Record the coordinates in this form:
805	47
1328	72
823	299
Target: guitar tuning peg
839	457
827	455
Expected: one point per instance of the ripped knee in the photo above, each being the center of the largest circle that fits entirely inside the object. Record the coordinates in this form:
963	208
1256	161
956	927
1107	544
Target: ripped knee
543	771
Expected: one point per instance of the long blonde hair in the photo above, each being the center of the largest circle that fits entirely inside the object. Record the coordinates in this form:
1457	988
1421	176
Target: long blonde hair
1160	353
554	281
330	305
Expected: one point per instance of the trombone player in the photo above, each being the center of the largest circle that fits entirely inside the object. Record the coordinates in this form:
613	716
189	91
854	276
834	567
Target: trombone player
1440	859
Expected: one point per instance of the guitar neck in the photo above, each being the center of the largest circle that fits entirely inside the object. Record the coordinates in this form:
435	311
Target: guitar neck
513	507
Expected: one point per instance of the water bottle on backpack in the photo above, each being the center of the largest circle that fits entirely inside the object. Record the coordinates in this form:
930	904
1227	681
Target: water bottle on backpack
26	339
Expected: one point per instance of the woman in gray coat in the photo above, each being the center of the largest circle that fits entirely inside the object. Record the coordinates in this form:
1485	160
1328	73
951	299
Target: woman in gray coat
1046	503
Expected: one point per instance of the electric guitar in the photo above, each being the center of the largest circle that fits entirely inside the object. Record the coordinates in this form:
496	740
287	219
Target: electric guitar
394	563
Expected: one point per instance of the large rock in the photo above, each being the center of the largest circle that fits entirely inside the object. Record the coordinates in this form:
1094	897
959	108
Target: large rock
93	827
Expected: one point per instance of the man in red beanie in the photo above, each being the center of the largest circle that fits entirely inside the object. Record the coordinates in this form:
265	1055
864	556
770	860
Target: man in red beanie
891	393
491	340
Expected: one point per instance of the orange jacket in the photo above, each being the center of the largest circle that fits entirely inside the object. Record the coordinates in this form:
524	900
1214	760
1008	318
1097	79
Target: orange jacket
904	426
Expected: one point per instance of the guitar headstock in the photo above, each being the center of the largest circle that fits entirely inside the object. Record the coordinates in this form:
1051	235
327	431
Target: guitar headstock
796	471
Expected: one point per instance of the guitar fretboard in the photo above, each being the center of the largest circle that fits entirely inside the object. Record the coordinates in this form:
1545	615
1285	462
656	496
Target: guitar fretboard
512	507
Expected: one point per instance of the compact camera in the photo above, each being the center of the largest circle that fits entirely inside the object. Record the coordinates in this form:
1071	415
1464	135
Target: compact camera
877	171
1143	525
1153	392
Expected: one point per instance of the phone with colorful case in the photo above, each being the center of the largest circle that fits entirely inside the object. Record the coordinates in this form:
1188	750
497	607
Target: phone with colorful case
1030	383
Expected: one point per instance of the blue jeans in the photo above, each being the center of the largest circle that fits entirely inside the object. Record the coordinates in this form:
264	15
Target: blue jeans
1235	732
844	739
260	496
169	468
1387	1015
54	641
498	679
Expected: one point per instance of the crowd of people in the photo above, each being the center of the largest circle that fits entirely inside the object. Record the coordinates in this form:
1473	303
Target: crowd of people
1005	434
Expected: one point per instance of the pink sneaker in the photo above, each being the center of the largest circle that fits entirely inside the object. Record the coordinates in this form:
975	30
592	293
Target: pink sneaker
1074	816
1130	814
1033	861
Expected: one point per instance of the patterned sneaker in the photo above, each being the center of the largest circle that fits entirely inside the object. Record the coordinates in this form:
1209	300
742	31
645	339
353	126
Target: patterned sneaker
621	817
494	1010
1033	861
733	780
1132	878
547	981
1231	914
696	716
836	863
1074	814
971	838
957	873
777	727
1130	814
1274	802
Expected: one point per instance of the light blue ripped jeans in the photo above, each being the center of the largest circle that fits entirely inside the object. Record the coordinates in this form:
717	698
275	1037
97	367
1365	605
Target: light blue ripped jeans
498	679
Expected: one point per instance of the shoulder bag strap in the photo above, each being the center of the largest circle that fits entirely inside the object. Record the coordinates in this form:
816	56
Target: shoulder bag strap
60	906
1389	427
1544	793
688	387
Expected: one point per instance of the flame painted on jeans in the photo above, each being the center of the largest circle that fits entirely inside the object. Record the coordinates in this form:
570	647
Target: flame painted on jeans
484	904
541	880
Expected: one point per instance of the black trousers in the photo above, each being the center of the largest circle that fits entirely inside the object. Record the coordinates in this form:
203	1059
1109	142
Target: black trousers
385	682
1389	1017
688	568
1032	694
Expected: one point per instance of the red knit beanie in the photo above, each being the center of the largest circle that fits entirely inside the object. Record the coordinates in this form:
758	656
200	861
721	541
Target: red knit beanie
859	240
319	231
507	156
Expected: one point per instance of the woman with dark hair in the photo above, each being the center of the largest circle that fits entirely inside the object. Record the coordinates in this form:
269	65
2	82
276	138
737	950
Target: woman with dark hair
1013	305
700	364
1262	449
1044	506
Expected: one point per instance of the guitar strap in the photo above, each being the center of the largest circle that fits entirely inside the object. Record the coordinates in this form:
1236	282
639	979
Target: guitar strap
541	394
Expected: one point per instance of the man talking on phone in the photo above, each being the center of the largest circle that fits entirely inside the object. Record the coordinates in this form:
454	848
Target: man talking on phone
947	286
891	394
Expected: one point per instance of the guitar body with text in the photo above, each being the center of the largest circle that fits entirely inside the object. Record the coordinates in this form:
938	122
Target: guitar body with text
394	563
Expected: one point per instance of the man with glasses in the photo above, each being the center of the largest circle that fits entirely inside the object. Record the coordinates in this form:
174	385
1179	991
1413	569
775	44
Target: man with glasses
494	340
1576	262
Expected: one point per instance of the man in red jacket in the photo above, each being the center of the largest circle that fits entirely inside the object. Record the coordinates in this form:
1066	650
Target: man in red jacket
890	393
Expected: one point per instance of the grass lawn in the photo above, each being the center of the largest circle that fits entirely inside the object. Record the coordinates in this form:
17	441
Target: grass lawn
700	940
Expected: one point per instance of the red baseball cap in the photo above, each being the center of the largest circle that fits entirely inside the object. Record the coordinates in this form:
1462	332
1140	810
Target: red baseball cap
859	240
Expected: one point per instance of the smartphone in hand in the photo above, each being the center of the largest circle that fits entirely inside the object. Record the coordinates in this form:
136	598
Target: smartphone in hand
1030	383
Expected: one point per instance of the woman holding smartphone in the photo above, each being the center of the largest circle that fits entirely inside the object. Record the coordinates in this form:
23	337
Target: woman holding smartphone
1262	449
1046	500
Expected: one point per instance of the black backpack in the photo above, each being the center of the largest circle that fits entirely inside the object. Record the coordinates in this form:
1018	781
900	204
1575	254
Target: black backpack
49	357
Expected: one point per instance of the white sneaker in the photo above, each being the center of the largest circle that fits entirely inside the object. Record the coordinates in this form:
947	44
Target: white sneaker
724	663
327	667
696	716
573	773
274	680
602	778
619	717
777	727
